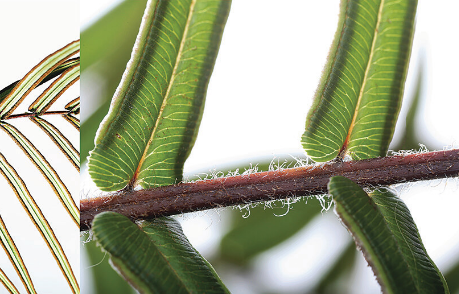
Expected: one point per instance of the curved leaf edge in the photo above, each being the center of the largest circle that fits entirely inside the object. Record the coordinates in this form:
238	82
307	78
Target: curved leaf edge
336	126
146	233
360	215
158	144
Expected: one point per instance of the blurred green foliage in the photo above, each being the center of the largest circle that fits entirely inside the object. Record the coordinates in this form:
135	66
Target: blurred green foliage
106	48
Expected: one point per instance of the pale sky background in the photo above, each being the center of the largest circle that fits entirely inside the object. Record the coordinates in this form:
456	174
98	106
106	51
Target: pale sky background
30	31
266	73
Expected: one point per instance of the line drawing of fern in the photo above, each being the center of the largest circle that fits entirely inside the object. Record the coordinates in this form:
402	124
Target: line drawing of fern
39	141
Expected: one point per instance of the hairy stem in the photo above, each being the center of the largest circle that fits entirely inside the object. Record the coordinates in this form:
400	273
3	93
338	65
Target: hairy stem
301	181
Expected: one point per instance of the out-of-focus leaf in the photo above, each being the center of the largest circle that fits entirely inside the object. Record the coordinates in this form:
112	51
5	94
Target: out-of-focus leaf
102	39
409	139
265	228
155	257
105	279
107	58
384	230
452	278
359	97
271	225
338	276
155	114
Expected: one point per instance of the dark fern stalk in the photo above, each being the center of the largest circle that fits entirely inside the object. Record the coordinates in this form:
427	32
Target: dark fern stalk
264	186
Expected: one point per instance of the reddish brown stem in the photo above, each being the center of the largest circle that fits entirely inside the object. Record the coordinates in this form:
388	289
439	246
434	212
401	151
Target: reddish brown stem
301	181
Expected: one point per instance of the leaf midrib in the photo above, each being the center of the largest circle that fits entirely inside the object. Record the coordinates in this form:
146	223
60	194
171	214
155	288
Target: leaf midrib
166	96
365	79
163	255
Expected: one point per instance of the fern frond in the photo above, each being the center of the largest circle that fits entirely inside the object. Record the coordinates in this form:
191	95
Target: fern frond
62	72
16	260
7	283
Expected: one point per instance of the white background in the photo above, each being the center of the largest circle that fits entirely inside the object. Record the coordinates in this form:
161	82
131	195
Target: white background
268	68
30	31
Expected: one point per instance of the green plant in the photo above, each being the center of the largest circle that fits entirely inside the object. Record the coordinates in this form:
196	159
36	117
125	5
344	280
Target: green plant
113	166
64	72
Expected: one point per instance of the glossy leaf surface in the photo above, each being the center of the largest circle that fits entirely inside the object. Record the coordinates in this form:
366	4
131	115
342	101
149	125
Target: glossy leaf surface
384	230
155	114
155	257
359	97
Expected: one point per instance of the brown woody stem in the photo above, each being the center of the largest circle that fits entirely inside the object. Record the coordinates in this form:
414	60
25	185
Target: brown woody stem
263	186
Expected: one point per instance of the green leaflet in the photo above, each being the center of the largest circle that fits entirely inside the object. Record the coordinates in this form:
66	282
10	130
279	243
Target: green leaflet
61	141
35	76
384	230
56	72
72	120
105	279
239	245
108	45
7	283
66	72
340	272
16	259
37	217
56	89
359	97
155	114
155	257
45	168
410	138
73	106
